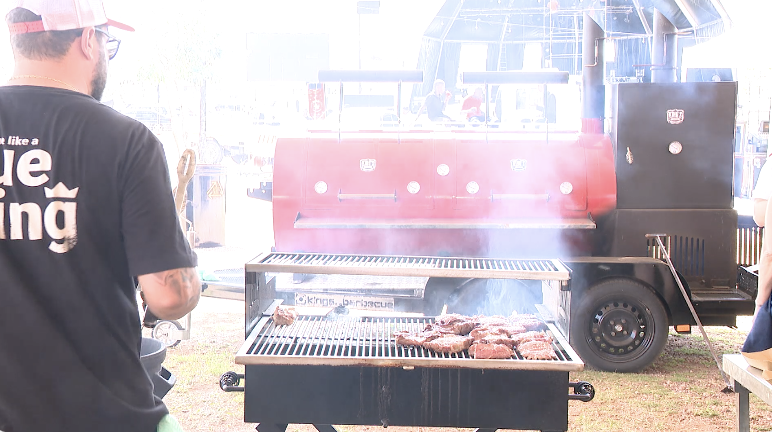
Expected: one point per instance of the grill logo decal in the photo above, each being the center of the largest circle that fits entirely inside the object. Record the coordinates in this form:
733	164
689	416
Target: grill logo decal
367	165
675	116
518	164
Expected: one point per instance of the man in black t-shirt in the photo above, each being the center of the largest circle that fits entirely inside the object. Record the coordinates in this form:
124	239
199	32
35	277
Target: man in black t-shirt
85	207
435	103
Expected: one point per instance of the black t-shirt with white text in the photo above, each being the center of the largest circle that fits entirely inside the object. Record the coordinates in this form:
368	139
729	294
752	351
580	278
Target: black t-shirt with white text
85	207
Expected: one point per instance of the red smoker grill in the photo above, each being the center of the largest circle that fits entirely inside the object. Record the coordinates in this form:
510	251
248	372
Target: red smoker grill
326	370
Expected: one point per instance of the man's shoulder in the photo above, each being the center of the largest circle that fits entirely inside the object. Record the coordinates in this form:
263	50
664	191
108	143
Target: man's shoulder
75	103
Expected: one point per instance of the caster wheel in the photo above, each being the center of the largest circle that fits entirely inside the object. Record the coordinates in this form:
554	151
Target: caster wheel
229	379
167	332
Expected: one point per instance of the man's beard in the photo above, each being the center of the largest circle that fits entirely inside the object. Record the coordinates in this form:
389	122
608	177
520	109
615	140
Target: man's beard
99	80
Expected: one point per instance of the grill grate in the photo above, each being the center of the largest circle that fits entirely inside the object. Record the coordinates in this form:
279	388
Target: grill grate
410	266
370	341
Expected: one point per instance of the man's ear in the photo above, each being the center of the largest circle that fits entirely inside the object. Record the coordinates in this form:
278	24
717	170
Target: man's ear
88	43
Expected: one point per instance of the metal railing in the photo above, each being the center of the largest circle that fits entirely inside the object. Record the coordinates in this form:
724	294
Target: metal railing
749	240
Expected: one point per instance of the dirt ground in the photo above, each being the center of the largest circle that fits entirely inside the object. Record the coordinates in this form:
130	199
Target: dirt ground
680	392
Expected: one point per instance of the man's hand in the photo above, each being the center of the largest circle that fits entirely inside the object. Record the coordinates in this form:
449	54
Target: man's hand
171	294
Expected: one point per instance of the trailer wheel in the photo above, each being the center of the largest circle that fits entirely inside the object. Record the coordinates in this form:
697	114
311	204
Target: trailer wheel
619	326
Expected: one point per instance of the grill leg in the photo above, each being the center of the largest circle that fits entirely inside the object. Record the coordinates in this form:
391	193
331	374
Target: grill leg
325	428
267	427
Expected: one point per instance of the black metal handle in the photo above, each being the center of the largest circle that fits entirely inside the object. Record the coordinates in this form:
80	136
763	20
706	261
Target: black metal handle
229	382
583	391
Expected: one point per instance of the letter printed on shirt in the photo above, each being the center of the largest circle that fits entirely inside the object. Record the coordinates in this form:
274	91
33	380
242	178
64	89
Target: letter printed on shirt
7	177
25	167
34	221
69	233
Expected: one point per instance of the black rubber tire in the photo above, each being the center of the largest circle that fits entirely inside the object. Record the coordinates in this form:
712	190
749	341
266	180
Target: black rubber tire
618	325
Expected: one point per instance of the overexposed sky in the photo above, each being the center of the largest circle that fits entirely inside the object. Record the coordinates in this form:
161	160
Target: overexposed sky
390	40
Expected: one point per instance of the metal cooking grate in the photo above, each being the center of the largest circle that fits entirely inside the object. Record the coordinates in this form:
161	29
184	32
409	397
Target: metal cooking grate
411	266
363	340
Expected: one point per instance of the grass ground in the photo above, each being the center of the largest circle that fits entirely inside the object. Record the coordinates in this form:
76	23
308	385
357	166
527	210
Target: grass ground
681	391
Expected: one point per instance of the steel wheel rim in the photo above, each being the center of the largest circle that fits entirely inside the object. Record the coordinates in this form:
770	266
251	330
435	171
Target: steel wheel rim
164	332
621	330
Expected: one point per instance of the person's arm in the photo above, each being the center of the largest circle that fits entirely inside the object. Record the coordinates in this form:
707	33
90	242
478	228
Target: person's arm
157	250
759	211
765	262
171	294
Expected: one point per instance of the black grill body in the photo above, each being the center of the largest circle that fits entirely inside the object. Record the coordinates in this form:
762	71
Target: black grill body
647	117
429	397
702	243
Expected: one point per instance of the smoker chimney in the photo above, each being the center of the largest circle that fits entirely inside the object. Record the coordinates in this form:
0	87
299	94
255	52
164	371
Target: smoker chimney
593	75
664	50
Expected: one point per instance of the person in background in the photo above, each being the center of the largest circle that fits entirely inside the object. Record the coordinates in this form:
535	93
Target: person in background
762	215
757	348
85	208
436	102
472	104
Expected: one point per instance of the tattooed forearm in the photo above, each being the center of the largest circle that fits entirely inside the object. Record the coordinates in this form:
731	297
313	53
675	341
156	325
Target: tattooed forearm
173	293
180	282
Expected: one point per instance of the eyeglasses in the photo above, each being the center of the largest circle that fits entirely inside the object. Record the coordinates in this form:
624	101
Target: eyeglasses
113	43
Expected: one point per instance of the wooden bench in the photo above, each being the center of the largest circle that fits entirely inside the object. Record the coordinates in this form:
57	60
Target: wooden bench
746	380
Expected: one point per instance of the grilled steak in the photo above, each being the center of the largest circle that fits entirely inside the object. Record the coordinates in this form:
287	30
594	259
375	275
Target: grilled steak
493	321
513	329
284	315
519	317
445	320
531	336
453	324
530	322
483	332
508	330
490	351
536	350
416	339
449	344
498	340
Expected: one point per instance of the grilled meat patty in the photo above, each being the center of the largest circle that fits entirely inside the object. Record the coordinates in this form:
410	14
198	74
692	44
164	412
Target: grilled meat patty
284	315
536	350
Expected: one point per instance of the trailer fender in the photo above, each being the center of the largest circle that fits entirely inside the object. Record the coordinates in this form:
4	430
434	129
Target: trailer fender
653	273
